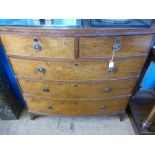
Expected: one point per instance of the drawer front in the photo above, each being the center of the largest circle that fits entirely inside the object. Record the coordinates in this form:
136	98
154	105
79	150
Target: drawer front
50	70
102	46
76	108
50	47
65	90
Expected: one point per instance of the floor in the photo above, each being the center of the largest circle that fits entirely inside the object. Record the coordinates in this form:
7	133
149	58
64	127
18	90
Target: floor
107	125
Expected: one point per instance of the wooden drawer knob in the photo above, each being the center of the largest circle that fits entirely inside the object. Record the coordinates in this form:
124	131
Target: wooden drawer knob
41	69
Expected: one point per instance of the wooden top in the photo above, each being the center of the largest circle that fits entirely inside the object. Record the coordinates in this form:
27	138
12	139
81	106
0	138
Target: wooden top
76	32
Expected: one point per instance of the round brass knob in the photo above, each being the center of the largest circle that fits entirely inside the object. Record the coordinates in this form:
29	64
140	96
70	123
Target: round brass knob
41	70
107	90
102	107
37	47
49	107
116	47
45	90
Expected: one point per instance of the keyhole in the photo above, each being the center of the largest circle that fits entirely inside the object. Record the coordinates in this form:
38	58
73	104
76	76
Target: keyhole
76	64
35	40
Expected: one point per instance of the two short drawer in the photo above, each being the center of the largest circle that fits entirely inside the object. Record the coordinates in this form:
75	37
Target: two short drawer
75	91
64	47
80	108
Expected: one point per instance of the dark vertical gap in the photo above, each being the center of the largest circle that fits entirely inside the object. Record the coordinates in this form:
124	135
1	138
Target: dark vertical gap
76	47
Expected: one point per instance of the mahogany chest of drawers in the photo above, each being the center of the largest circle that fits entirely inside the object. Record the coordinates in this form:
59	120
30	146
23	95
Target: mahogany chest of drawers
67	72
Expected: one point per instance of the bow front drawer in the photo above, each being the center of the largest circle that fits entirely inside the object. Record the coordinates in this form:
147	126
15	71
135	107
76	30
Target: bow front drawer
82	70
103	46
48	47
76	90
73	108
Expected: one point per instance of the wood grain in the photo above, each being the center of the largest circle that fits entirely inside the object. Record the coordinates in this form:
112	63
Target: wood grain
51	47
77	90
59	32
76	108
75	98
102	46
91	70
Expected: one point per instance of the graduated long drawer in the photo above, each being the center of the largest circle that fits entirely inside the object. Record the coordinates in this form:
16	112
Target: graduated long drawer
83	70
77	90
73	108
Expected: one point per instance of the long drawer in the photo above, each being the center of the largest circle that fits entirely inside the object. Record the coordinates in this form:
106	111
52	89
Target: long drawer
76	90
82	70
102	46
50	47
82	108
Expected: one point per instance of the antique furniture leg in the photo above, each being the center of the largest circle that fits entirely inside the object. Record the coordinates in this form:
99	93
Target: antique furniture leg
33	116
122	116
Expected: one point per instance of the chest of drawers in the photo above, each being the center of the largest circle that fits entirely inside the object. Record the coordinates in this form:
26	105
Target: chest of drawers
68	75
